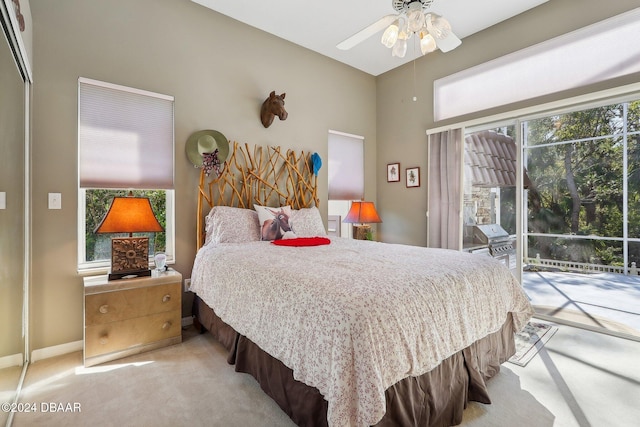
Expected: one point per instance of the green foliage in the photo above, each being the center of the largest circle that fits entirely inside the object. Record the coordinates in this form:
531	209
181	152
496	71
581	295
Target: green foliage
576	162
97	205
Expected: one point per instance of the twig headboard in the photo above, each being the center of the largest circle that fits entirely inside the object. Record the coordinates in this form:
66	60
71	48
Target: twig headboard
263	175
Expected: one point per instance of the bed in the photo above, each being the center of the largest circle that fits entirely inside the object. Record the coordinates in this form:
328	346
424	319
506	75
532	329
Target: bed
346	332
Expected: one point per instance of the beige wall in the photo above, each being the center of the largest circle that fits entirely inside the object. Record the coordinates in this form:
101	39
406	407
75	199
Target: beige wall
219	72
402	123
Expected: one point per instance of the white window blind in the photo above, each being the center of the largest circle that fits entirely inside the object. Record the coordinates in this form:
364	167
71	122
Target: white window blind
596	53
346	166
125	137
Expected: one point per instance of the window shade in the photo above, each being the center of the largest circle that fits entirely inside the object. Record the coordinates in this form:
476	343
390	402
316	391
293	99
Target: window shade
125	137
346	166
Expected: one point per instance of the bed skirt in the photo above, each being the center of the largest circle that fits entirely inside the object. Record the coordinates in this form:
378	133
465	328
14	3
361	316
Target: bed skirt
435	399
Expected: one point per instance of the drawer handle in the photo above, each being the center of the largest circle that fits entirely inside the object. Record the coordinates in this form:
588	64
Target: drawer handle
104	339
166	298
104	309
166	325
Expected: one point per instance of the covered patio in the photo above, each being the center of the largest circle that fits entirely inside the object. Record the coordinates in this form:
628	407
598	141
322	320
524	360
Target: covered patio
607	301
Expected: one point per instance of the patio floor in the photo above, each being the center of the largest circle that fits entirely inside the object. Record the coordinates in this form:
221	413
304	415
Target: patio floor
604	300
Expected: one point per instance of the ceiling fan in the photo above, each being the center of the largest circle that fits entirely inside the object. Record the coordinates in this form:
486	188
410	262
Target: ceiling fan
412	18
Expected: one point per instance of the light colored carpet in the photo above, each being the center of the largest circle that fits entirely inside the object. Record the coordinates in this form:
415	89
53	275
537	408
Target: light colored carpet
9	379
579	378
188	384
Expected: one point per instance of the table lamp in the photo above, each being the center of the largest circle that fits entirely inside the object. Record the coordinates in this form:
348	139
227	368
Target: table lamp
129	255
362	214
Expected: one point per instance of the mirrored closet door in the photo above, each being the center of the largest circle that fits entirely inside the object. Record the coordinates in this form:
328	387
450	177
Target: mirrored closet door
14	89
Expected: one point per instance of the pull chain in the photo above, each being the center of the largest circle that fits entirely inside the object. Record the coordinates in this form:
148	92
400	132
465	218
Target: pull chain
415	98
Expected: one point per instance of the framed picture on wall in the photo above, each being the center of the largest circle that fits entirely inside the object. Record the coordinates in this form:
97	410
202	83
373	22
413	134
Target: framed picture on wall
393	172
413	177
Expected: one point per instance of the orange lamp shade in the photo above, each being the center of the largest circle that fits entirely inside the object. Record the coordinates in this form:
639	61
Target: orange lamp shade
129	215
362	213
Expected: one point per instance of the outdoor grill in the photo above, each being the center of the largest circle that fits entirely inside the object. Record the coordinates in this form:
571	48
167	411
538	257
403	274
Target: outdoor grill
498	242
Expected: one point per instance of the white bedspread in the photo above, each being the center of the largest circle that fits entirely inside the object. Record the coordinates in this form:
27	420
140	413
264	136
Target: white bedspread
354	317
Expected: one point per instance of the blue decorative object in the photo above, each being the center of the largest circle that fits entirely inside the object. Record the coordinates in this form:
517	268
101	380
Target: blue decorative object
316	161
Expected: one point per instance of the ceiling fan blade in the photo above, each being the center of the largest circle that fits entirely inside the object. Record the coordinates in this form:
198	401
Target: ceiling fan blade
364	34
450	42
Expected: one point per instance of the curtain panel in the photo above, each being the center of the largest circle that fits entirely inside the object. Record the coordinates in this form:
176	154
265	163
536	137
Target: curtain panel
444	200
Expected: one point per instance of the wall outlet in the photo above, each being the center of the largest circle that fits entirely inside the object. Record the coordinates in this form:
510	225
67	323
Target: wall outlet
187	285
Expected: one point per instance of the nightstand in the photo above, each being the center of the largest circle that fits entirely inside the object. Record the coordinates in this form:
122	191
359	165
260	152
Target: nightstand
130	316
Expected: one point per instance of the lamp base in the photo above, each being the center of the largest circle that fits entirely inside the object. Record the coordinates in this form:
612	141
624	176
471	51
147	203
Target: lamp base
360	232
139	273
129	257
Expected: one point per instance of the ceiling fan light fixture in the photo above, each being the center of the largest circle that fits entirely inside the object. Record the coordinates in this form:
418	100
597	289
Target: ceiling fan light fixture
390	35
438	26
400	48
404	35
427	43
415	18
405	32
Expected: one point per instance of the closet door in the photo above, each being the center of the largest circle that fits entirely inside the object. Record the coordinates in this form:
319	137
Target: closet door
13	207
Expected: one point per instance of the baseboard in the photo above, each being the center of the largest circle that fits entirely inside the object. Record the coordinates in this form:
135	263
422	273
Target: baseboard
12	360
56	350
59	350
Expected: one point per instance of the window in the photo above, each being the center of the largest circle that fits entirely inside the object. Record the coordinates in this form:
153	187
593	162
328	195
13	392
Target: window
346	176
125	143
346	166
593	54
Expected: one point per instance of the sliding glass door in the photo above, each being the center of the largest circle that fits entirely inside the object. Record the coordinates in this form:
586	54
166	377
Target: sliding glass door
582	223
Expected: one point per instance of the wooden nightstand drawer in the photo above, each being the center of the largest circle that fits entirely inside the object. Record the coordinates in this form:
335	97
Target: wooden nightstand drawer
127	304
130	316
121	335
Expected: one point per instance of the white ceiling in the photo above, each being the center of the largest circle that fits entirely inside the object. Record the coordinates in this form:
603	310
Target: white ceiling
320	25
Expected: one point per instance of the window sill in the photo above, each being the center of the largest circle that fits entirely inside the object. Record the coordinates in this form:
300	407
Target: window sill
101	270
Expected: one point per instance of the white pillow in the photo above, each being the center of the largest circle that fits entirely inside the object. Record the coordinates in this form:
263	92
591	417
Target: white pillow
307	222
274	222
226	224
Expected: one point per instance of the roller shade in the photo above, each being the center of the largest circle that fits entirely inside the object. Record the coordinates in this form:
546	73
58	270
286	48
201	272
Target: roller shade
125	137
346	166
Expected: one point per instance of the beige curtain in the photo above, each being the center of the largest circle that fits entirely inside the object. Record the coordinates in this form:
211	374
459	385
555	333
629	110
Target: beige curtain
444	187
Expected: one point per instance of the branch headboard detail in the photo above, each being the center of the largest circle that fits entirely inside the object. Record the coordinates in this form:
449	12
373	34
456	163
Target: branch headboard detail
265	176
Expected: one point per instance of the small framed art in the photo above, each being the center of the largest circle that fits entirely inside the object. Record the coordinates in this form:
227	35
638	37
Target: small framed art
413	177
393	172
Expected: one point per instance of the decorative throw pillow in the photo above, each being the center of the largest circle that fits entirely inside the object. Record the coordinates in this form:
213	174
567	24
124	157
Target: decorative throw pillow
303	241
226	224
274	222
307	222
